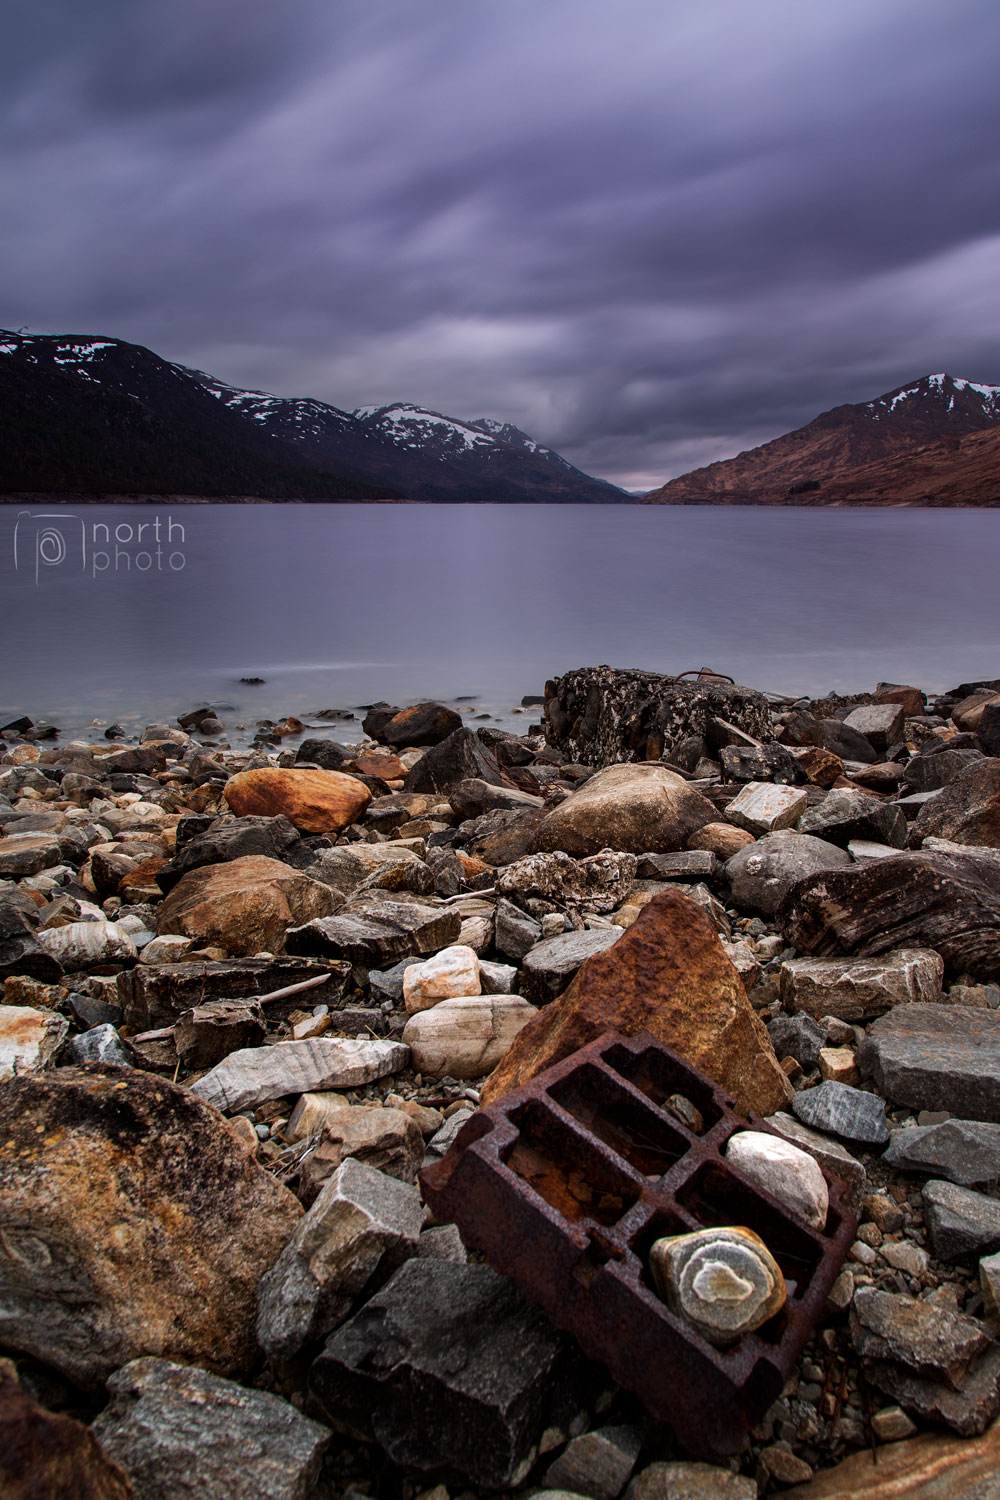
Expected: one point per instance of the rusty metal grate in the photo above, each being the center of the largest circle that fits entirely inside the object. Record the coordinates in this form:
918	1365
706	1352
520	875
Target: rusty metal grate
565	1183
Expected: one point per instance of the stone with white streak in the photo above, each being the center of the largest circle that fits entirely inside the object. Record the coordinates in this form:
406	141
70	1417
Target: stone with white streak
465	1037
255	1074
764	807
785	1171
452	972
29	1038
82	945
860	989
725	1282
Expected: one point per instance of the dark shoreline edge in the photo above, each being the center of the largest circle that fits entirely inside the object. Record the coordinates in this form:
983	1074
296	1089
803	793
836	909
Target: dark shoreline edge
43	498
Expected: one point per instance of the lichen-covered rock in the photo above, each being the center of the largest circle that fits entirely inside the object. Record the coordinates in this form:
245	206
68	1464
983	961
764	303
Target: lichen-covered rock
602	715
598	884
133	1224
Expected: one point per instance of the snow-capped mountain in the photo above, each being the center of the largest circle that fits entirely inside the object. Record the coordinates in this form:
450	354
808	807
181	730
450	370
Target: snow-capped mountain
95	413
866	452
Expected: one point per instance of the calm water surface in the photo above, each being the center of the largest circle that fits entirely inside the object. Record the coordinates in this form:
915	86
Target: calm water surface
337	606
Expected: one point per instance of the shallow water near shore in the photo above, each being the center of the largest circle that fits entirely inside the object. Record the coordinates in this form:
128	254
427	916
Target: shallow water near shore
337	606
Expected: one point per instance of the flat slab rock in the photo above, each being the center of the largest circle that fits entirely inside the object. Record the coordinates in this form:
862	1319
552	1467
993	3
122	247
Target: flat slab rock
963	1224
933	1466
551	964
936	1057
966	1152
255	1074
180	1431
841	1110
376	932
859	989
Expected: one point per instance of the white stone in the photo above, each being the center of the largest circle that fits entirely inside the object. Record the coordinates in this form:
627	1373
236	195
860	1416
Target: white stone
476	932
783	1170
764	807
903	1255
29	1038
79	945
253	1075
466	1037
451	973
168	949
311	1114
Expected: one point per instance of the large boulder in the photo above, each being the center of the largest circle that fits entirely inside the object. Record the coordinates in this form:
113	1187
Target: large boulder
948	902
637	809
602	715
668	975
133	1223
245	906
967	810
462	756
312	801
936	1057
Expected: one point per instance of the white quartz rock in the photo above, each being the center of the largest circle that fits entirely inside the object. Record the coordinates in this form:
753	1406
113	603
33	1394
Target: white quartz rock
783	1170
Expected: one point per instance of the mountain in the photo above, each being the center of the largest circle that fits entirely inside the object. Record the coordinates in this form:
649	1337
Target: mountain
101	416
931	442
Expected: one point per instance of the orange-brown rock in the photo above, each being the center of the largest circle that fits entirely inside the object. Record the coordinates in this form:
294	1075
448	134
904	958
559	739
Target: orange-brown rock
929	1467
667	975
721	839
246	905
634	808
314	801
142	877
133	1223
820	766
48	1457
388	767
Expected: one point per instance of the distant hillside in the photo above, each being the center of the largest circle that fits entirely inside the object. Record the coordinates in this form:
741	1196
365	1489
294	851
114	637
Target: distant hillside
81	415
935	441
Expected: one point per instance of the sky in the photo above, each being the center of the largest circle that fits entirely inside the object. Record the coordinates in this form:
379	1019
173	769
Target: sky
650	233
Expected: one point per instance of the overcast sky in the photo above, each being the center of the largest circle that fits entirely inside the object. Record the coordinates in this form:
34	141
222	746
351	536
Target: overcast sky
651	233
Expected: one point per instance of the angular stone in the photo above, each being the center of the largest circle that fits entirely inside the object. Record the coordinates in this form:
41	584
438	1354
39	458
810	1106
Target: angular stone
880	723
386	1140
359	1216
863	851
446	1367
251	1076
937	1057
85	945
989	1281
460	757
967	810
933	1466
929	772
763	808
312	801
466	1037
549	967
968	1410
848	813
948	902
497	979
372	930
799	1037
963	1225
685	864
762	874
155	997
667	975
932	1342
830	1154
596	1464
843	1111
245	906
180	1431
206	1034
842	740
27	854
637	809
49	1457
237	838
29	1038
100	1044
454	971
819	766
516	933
858	989
423	724
785	1171
21	954
837	1065
598	884
724	1282
690	1481
721	839
121	1194
311	1114
962	1151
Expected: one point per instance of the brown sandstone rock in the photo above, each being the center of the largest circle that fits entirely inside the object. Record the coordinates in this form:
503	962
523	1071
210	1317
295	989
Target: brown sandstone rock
929	1467
667	975
133	1224
48	1457
246	905
639	809
313	801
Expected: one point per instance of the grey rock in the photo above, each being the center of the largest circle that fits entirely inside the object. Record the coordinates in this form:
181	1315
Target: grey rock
443	1139
762	874
373	930
497	979
100	1044
762	808
597	1464
516	933
830	1154
550	965
20	950
880	723
849	813
771	762
472	798
177	1431
155	996
859	989
963	1151
359	1216
442	1242
274	838
685	864
327	754
963	1224
932	1342
447	1368
689	1481
863	851
926	773
835	735
936	1057
968	1411
253	1075
797	1036
387	984
724	1282
843	1111
967	810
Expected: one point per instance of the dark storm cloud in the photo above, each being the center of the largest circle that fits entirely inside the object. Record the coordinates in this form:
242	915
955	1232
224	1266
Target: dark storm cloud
648	233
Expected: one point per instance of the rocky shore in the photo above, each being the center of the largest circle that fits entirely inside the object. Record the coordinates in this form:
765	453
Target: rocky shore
264	1012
